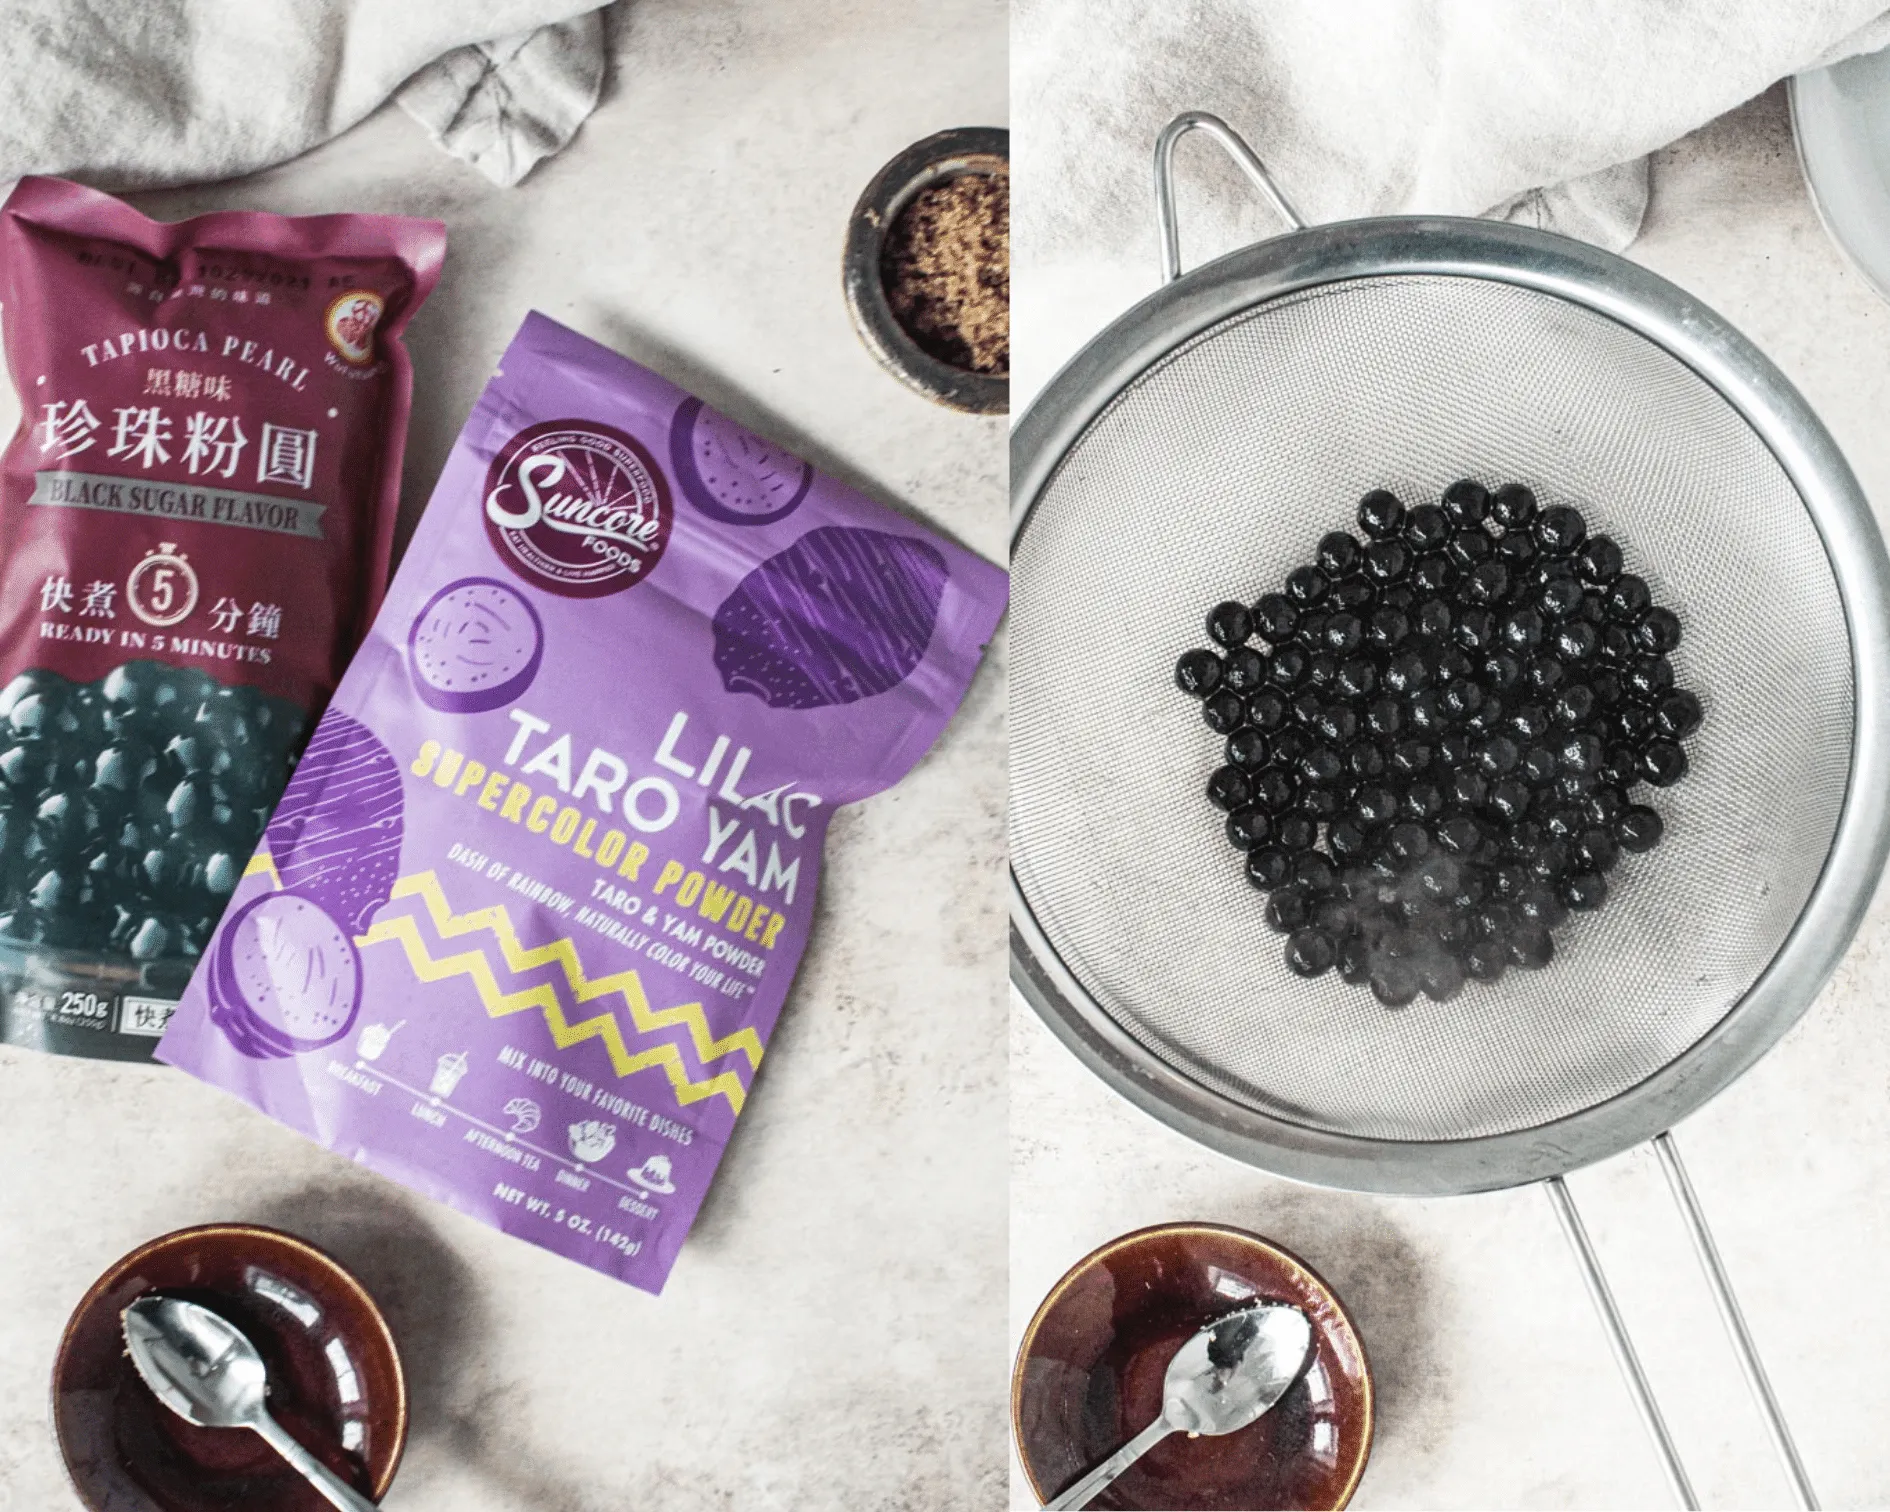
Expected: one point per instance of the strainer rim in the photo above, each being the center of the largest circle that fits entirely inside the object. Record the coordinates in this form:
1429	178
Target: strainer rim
1711	348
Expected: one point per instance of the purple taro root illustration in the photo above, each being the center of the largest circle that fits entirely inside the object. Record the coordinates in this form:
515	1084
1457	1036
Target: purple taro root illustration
335	837
284	977
731	474
475	646
841	615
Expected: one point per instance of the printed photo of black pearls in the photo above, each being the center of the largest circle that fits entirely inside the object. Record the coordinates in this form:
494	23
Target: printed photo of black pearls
1437	737
129	806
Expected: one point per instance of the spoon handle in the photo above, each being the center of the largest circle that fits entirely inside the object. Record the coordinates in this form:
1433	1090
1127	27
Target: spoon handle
1091	1485
333	1489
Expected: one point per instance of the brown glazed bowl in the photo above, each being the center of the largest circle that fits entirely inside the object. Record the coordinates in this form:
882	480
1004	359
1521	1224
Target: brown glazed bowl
335	1380
1089	1378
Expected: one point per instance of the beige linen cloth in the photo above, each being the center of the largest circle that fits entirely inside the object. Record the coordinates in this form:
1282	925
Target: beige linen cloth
142	93
1535	110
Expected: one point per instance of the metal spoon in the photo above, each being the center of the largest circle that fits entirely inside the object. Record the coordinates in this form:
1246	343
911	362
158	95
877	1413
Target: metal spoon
205	1369
1222	1379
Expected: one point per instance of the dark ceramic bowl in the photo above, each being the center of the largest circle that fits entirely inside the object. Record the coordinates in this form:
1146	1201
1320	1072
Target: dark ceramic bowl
1089	1378
967	149
335	1380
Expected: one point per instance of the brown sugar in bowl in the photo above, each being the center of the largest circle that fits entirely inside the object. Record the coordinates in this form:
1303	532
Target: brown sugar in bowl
927	268
1090	1368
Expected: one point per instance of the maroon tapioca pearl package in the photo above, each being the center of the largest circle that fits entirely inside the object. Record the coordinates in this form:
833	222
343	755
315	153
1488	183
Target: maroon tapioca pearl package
196	518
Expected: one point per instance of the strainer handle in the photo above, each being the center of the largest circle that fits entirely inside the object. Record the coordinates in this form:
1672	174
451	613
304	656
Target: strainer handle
1237	148
1618	1340
1735	1320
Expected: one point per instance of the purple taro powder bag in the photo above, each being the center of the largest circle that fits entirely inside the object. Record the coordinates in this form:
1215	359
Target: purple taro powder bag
529	908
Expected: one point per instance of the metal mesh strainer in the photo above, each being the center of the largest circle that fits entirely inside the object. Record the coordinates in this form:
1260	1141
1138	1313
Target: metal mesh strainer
1196	452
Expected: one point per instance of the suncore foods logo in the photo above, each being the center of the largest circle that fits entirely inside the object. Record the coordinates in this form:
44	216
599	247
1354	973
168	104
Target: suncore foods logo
577	508
350	321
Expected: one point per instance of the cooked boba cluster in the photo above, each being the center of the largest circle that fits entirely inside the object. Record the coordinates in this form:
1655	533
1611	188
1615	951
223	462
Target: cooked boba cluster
129	806
1434	737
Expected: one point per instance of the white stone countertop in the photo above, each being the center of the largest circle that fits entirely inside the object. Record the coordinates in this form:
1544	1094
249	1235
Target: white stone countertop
833	1334
1496	1387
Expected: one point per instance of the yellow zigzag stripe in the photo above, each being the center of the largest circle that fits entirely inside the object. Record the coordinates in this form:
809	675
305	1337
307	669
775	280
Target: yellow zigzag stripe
544	997
262	864
473	963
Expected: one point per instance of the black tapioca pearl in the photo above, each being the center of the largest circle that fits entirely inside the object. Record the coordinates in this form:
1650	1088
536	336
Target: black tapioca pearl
1518	550
1228	788
1339	555
1475	629
1395	983
1527	721
1354	961
1424	712
1365	760
1500	671
1579	751
1575	641
1460	834
1353	594
1599	560
1267	709
1634	724
1622	766
1522	631
1274	618
1510	799
1387	562
1542	675
1457	749
1435	573
1286	668
1561	598
1248	827
1272	789
1462	698
1408	672
1663	762
1603	805
1388	627
1512	506
1679	715
1229	624
1399	596
1453	663
1289	908
1657	631
1268	867
1426	528
1306	708
1441	976
1638	829
1247	749
1347	839
1223	712
1320	766
1606	684
1375	804
1498	755
1486	584
1306	586
1408	842
1583	891
1412	757
1468	787
1573	706
1531	947
1357	679
1289	745
1296	830
1380	514
1312	630
1315	872
1338	724
1468	547
1618	645
1560	529
1537	766
1434	619
1324	803
1424	799
1342	634
1198	673
1648	679
1466	503
1310	952
1628	598
1597	850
